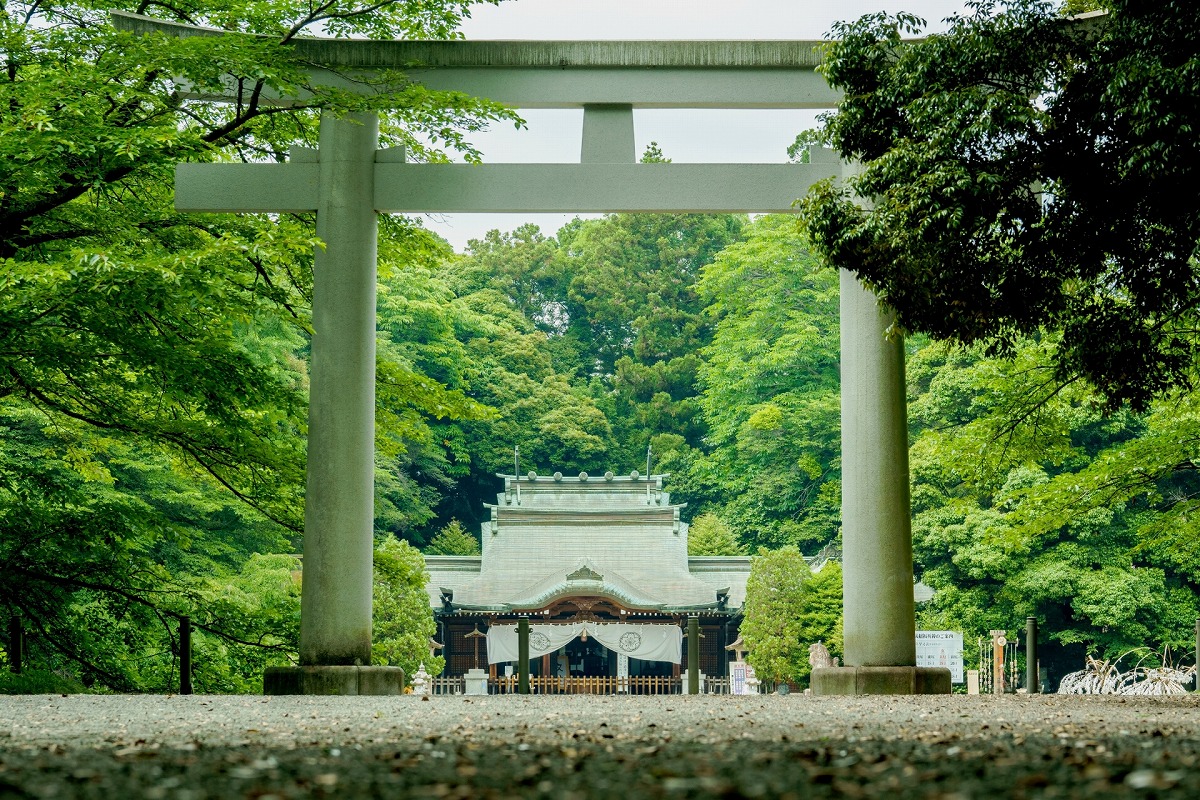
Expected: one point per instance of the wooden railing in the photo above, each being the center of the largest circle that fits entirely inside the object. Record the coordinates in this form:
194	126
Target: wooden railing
607	685
540	684
715	685
601	684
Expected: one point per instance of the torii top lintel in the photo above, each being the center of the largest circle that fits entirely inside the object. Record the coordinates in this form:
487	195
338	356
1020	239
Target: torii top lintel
607	79
571	74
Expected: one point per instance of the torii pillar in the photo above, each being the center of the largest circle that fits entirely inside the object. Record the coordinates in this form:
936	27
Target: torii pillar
878	611
877	597
335	601
335	617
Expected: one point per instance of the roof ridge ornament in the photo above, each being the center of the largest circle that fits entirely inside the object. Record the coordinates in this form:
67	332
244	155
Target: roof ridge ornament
585	573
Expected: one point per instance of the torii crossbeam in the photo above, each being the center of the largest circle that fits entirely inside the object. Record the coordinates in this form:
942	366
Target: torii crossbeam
348	181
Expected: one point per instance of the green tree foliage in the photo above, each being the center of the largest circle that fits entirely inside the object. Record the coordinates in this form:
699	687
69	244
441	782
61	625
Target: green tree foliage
708	535
1029	500
800	150
637	319
261	605
403	620
770	390
111	296
152	380
621	286
587	343
1027	174
787	610
821	612
525	268
105	540
422	391
38	681
503	363
453	540
771	626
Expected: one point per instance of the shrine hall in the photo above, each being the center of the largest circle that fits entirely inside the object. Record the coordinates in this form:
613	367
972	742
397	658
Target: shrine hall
599	566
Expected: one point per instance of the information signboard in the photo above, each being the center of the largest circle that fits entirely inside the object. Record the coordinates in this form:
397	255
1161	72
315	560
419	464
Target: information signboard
737	678
941	649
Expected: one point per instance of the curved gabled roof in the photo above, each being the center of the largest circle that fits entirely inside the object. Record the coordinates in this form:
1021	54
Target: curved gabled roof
586	578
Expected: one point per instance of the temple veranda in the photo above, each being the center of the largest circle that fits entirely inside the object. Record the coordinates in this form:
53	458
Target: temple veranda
348	181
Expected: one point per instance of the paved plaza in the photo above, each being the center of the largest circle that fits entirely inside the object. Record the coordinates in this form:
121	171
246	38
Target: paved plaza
598	747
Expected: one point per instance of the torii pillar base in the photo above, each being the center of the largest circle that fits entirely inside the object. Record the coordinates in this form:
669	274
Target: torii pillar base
880	680
345	681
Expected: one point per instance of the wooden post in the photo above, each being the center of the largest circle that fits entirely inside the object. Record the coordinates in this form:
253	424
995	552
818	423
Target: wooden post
999	641
16	644
523	656
185	655
693	655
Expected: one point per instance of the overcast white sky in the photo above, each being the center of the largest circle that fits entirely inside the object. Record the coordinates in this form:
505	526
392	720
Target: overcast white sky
686	136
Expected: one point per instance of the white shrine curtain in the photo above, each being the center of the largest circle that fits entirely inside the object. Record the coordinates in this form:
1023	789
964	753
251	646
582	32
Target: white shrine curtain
647	642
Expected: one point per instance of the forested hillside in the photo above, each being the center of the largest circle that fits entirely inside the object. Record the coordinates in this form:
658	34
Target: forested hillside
1029	498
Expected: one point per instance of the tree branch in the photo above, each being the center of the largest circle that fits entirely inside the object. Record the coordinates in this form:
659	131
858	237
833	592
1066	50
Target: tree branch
112	679
78	583
179	13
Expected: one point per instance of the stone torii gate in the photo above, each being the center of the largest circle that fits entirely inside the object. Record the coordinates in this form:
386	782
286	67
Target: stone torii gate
348	181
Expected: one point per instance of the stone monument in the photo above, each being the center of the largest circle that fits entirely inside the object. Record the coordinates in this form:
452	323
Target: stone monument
819	657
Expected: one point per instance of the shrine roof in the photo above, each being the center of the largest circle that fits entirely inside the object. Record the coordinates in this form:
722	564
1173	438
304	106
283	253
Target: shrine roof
554	537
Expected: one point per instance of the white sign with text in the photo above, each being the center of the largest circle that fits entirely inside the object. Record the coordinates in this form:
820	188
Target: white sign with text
941	649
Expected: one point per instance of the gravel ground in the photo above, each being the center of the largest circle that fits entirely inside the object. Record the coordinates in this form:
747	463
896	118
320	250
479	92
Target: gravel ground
598	747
